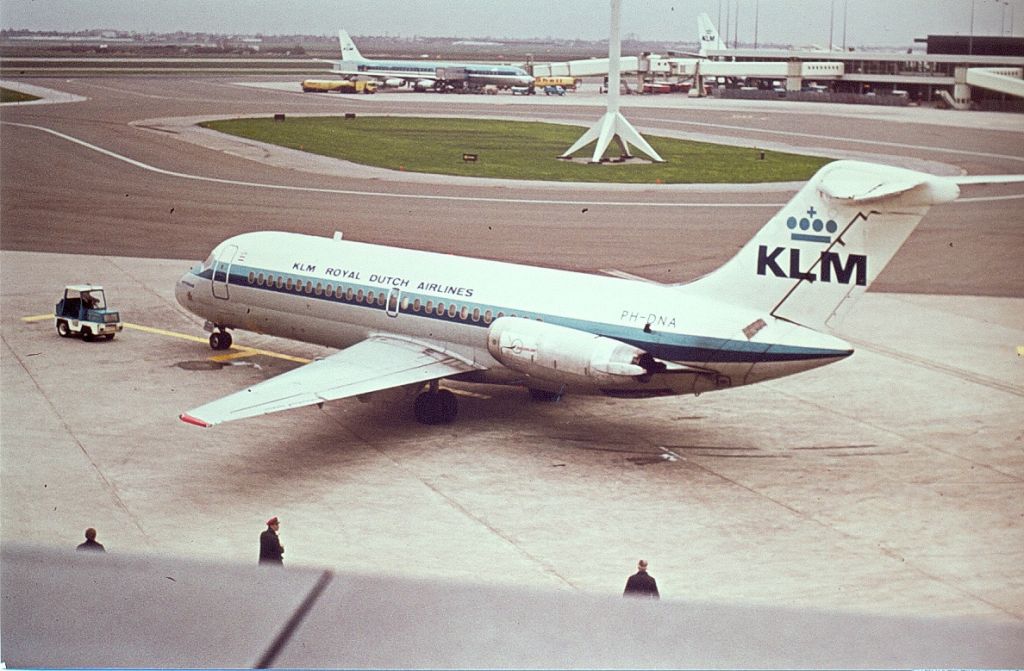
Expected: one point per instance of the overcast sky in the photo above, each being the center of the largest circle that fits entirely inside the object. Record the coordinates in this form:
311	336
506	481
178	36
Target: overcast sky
796	22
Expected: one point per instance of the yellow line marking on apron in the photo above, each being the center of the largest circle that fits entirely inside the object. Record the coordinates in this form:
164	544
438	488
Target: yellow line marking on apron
240	350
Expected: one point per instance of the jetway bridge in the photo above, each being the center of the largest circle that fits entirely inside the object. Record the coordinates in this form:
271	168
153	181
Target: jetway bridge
794	72
920	77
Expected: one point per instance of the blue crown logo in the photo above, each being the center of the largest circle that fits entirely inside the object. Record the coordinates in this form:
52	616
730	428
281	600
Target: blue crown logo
802	226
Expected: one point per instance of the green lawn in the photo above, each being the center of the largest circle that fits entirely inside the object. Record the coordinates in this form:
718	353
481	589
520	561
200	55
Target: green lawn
9	96
513	150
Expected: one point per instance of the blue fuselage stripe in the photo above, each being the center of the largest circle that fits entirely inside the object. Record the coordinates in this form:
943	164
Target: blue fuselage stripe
663	345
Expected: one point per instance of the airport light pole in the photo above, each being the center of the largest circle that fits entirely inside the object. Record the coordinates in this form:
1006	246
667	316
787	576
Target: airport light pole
831	22
846	6
613	125
755	23
736	31
728	21
970	40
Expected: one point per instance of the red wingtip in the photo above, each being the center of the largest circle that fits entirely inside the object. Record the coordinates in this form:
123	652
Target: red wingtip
189	419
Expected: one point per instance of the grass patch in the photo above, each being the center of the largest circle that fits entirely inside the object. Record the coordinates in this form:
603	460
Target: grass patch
513	150
11	96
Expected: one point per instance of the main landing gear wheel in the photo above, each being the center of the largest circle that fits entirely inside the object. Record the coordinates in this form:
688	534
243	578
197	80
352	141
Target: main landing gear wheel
437	406
220	340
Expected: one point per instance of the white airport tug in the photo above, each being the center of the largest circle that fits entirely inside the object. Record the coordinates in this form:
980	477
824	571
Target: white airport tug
83	311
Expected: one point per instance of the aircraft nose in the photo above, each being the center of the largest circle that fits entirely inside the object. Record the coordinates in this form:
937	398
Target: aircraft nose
183	290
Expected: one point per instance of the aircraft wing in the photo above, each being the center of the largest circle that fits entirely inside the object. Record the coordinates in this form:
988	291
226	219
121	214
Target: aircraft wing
378	363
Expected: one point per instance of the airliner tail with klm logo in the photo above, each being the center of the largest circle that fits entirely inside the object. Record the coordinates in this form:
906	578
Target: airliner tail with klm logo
829	243
709	37
408	319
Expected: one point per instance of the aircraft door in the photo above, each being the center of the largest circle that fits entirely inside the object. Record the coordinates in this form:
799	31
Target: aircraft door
394	296
222	270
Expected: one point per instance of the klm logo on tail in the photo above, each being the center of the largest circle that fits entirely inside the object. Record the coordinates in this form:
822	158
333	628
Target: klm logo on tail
829	265
817	225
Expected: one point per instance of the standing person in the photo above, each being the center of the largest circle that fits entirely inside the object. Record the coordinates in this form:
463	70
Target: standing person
271	549
642	583
90	544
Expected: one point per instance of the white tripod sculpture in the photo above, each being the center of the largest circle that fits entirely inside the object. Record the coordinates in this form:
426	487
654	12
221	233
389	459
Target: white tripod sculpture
613	124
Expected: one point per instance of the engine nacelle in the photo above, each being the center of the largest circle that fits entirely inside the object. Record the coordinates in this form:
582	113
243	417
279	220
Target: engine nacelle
565	355
424	84
394	82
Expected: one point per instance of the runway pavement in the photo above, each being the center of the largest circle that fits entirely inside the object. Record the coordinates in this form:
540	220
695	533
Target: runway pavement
888	484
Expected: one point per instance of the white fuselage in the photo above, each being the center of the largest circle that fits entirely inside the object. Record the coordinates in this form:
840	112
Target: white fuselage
337	293
474	74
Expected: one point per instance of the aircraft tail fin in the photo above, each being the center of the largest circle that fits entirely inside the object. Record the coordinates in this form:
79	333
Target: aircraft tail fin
708	35
349	50
828	244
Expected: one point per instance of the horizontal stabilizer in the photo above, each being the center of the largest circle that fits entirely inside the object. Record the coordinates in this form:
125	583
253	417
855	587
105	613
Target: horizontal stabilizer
988	179
854	183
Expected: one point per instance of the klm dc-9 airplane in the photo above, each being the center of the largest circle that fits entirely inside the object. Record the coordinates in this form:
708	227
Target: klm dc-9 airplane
405	318
426	74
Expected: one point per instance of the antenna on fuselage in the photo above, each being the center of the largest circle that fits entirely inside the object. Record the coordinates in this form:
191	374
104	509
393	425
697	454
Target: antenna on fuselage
613	124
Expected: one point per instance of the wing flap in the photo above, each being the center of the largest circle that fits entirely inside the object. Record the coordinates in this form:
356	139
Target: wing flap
375	364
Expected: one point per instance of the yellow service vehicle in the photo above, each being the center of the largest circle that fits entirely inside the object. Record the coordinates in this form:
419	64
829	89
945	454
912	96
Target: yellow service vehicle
567	83
337	86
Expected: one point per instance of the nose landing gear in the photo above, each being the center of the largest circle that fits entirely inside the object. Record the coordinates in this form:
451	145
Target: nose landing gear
220	339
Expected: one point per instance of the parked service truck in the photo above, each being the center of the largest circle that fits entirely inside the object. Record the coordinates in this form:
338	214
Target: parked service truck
337	86
567	83
83	311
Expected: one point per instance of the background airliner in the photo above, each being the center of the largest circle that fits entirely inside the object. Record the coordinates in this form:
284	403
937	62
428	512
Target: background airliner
406	318
426	74
708	36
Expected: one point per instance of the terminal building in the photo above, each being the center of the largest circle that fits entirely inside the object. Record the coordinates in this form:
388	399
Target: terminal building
961	72
958	71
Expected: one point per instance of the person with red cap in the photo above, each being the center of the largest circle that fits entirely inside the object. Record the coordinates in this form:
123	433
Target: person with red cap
271	550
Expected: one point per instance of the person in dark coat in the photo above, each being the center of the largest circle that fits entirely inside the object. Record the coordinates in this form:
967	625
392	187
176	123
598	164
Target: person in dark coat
642	583
271	550
90	544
